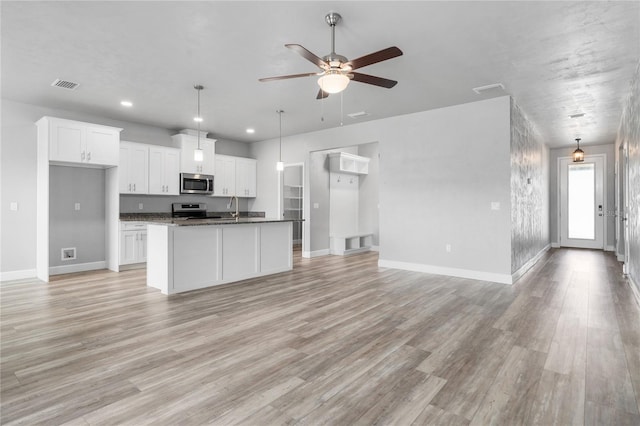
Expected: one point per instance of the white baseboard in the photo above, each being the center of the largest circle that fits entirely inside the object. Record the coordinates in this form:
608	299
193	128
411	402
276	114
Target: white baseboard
524	268
609	248
316	253
18	275
452	272
555	245
78	267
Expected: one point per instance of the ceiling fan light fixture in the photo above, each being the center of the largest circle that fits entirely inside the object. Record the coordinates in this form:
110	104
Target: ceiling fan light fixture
333	82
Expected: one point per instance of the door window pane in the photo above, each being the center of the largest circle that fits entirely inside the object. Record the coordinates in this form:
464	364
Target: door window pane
582	203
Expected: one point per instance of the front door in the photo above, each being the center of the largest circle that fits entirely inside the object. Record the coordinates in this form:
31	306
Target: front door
582	203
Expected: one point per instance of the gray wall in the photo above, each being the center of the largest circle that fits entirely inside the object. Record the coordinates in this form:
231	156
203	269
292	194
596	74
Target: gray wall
83	229
439	172
368	217
162	204
557	153
629	133
18	175
529	191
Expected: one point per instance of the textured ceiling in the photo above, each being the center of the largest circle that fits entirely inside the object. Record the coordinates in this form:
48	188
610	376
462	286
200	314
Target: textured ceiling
554	58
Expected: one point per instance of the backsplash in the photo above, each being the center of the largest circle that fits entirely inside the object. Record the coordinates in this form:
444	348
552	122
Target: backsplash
162	204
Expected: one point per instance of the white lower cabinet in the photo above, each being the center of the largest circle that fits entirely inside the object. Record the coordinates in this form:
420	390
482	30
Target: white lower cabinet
133	243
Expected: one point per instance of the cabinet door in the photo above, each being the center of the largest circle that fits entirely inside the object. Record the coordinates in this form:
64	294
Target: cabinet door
139	169
156	171
172	171
102	146
67	142
208	166
245	177
187	163
128	247
142	246
224	183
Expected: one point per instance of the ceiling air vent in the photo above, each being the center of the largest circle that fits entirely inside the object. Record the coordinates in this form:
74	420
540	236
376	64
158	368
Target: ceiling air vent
496	88
65	84
360	114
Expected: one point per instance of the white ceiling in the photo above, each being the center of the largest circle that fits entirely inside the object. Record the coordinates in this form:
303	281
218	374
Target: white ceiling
554	58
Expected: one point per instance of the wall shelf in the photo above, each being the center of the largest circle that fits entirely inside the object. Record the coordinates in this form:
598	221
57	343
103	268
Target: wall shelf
343	162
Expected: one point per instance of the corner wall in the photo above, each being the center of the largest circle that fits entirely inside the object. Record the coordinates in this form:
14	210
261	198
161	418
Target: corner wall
629	134
529	191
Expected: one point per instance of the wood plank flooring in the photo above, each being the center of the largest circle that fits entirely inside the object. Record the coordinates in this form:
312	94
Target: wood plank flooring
336	341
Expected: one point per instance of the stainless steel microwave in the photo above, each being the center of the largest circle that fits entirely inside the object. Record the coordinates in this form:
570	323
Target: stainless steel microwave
196	183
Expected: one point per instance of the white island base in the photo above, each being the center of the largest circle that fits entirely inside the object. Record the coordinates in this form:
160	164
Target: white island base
183	258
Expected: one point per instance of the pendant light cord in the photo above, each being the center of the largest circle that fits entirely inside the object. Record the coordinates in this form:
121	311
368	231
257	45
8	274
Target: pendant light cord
199	118
280	156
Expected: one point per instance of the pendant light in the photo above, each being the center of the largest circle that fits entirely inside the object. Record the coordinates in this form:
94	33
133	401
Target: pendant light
198	154
280	164
578	154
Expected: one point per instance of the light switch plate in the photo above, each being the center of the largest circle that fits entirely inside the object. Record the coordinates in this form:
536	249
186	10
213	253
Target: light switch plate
77	206
495	205
13	206
316	205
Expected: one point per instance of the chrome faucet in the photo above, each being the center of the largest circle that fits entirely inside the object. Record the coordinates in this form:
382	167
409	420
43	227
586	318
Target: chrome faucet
237	213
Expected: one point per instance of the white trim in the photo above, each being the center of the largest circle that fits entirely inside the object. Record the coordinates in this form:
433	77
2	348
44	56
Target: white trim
452	272
555	245
524	268
18	275
78	267
609	248
316	253
620	257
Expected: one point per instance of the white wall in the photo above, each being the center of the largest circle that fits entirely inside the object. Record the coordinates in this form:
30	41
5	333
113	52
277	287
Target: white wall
629	135
18	177
368	218
439	172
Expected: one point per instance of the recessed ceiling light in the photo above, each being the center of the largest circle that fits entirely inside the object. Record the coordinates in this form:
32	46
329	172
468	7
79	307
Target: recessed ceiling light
197	119
127	104
577	115
250	130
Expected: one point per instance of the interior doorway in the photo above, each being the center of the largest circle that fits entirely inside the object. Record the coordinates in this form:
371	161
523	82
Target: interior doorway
582	202
292	198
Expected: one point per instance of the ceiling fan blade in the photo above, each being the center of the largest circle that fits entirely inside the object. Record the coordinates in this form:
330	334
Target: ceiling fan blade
372	79
322	94
372	58
284	77
307	55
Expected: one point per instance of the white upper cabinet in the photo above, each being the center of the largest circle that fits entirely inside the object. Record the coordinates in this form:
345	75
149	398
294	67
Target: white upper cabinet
79	143
343	162
224	182
234	176
246	177
134	168
164	170
188	145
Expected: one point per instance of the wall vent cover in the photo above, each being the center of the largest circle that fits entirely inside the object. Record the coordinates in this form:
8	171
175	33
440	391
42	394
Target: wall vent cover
65	84
68	253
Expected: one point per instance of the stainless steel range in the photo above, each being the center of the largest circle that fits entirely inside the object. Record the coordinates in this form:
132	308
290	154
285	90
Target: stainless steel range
189	210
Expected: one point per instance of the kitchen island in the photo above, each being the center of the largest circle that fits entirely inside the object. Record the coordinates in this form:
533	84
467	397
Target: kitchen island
189	254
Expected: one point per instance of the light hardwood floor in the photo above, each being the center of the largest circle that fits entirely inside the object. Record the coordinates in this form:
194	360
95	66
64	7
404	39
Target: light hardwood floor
337	341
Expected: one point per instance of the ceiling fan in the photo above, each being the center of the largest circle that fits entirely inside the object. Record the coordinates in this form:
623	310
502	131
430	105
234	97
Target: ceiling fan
336	71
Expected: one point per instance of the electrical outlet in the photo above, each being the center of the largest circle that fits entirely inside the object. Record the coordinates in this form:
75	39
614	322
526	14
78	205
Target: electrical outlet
77	206
68	253
448	248
13	206
140	206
